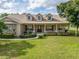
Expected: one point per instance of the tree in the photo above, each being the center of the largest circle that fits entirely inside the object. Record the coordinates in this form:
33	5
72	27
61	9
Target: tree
70	10
2	24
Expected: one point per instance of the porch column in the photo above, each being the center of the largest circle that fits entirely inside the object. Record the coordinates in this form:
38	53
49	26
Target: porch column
34	28
44	28
18	30
56	28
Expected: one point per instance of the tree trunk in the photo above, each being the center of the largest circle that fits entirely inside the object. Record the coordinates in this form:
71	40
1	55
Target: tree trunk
76	32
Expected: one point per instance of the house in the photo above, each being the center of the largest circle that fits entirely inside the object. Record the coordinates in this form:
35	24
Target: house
19	24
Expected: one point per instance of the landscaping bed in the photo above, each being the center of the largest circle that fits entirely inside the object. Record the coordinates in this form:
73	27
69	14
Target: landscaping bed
31	35
8	36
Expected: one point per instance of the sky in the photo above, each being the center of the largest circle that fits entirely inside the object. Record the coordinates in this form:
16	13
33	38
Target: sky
29	6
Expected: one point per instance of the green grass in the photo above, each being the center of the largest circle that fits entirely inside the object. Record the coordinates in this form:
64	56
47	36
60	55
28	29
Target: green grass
51	47
72	30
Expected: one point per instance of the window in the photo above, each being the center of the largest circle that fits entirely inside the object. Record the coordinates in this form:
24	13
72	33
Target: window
10	29
49	27
29	17
30	27
49	17
39	18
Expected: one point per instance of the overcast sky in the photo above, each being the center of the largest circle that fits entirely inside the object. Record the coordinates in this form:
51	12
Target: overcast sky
29	6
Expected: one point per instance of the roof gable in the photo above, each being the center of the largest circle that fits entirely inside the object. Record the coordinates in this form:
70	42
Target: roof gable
9	20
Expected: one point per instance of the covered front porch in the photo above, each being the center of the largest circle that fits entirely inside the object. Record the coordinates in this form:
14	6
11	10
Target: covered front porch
41	28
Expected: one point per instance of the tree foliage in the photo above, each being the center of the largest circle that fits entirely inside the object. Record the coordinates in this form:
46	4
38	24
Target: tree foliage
70	10
2	24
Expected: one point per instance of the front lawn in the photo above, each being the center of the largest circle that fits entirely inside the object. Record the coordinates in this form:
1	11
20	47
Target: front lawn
51	47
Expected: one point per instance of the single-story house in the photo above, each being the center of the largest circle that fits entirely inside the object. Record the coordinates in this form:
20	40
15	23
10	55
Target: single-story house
19	24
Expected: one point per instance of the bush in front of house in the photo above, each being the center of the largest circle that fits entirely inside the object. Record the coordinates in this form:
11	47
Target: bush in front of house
28	35
41	36
7	36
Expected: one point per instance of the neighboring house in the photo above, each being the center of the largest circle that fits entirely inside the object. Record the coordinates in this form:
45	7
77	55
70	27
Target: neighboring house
19	24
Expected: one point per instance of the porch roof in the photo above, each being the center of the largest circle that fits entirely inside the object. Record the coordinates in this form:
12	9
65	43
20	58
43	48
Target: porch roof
45	22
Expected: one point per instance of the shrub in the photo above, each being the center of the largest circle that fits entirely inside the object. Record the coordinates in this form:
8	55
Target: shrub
28	35
7	36
41	36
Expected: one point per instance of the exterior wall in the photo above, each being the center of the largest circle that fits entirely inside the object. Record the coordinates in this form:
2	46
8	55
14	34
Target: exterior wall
19	29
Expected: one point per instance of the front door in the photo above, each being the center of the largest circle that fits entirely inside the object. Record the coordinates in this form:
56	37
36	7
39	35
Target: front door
39	28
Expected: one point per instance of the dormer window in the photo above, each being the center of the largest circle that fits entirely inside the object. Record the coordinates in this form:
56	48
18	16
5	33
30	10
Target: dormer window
29	17
39	18
49	17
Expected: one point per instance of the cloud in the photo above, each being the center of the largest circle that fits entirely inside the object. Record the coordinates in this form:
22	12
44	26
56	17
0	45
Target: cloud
8	5
29	6
35	3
